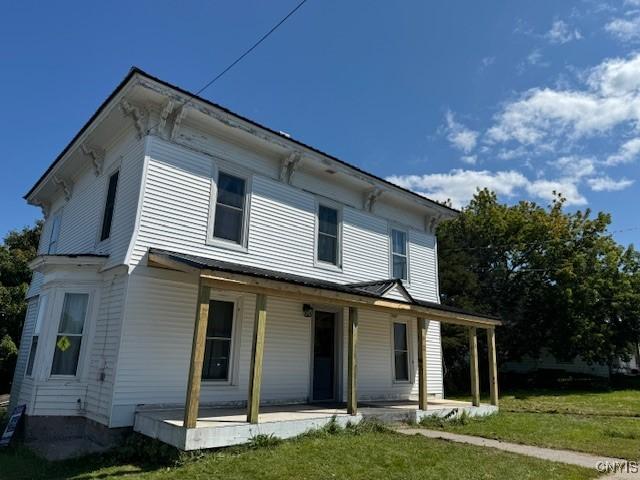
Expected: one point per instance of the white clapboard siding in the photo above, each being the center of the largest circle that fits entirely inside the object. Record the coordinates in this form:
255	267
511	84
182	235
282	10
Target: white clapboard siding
21	387
156	346
104	347
59	397
175	211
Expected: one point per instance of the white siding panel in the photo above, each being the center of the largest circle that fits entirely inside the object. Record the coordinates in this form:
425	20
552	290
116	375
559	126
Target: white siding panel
21	387
282	225
104	347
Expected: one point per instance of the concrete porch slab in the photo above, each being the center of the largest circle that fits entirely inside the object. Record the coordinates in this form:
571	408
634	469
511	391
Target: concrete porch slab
223	427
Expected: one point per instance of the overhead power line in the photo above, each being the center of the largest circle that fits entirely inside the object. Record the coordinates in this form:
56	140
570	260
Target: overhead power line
240	58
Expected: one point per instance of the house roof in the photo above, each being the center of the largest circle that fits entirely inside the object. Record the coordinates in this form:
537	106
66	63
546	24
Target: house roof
137	71
380	287
371	289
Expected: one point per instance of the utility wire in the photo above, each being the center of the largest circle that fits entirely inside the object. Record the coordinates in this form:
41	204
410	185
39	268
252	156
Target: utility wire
239	59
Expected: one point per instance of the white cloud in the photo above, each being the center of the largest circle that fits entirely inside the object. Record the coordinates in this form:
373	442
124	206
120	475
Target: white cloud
469	159
561	32
608	184
459	185
575	167
625	29
627	153
611	97
459	136
546	190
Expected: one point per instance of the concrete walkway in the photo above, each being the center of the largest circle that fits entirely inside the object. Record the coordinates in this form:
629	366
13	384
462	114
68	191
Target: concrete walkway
564	456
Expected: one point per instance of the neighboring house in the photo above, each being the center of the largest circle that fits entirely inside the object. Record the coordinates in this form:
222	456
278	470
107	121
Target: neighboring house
307	278
546	361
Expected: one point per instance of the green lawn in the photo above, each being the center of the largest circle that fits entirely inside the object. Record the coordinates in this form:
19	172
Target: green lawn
602	423
360	454
614	403
608	436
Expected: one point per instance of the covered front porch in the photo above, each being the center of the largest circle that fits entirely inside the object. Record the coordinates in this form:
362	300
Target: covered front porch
210	426
221	427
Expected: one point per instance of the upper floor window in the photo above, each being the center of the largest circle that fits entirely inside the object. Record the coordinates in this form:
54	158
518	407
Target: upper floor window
217	351
328	235
110	203
399	263
230	208
70	330
55	233
400	352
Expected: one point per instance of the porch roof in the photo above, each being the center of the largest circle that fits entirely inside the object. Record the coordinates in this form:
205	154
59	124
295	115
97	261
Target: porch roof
368	295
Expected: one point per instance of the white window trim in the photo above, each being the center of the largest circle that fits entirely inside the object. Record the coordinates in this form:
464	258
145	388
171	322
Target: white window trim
321	263
234	348
243	246
410	363
87	331
115	168
392	227
55	217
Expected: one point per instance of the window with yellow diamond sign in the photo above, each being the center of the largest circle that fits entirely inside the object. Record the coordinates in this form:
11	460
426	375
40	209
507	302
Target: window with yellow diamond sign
69	339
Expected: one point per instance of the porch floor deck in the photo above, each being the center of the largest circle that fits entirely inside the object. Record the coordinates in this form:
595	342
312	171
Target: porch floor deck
222	427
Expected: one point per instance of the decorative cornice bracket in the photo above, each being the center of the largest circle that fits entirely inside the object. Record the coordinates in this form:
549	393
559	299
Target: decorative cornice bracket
370	198
96	154
66	186
178	117
289	165
165	115
44	206
139	115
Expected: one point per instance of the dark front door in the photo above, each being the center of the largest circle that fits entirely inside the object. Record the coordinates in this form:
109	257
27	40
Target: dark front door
324	341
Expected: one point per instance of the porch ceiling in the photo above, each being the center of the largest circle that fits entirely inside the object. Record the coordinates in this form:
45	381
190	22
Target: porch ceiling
236	277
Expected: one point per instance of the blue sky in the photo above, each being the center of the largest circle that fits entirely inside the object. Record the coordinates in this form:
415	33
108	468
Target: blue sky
522	97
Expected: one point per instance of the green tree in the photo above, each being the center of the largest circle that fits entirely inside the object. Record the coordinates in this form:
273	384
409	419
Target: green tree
558	280
18	249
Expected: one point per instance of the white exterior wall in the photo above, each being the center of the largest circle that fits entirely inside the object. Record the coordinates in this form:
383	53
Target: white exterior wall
81	215
21	386
175	214
157	336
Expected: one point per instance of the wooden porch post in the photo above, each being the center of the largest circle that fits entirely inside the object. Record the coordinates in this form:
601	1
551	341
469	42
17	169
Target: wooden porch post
473	357
197	356
352	394
257	353
422	364
493	366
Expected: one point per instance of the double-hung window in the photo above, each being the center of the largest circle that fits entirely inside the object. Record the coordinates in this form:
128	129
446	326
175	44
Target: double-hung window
42	307
399	263
217	351
69	337
110	203
400	352
230	208
328	249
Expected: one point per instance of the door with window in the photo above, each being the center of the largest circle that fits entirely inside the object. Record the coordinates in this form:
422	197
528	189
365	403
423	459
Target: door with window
324	357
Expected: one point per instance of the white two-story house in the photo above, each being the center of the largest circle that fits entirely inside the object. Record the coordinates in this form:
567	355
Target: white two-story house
202	278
